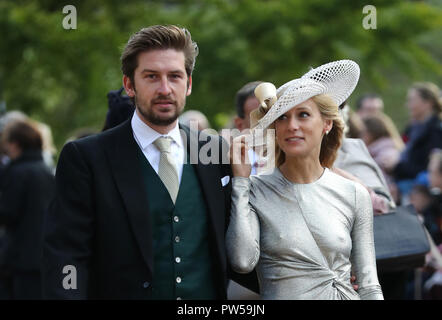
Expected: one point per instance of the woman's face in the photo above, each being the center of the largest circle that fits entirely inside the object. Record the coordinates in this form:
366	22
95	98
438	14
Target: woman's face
417	106
300	130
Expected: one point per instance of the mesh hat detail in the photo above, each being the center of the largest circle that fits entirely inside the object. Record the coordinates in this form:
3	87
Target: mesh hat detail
337	79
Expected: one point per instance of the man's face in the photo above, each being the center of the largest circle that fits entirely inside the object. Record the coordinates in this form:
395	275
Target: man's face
249	105
370	106
160	86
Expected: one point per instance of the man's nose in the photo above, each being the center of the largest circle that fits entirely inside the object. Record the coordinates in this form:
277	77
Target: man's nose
164	88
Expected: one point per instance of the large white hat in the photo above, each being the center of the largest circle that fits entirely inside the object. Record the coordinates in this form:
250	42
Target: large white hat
337	79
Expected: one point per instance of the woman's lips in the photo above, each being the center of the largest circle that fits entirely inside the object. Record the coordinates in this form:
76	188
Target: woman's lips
294	139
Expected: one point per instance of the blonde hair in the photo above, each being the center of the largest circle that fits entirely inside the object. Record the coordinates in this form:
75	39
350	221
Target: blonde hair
332	141
380	125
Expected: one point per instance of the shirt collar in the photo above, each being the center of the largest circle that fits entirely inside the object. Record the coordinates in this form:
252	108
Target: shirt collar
146	135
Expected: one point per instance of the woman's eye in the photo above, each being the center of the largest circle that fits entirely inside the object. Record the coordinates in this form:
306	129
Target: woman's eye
304	114
282	117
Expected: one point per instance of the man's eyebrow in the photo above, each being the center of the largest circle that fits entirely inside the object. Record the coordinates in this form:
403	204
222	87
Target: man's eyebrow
155	71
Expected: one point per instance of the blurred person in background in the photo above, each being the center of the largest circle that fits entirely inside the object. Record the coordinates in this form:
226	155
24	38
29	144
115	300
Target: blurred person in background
48	149
26	190
433	286
190	116
426	207
369	104
425	133
383	142
245	104
355	125
120	108
4	160
355	159
435	179
4	120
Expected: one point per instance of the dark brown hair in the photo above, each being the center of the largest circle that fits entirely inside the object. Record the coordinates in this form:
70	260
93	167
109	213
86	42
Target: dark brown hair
24	133
247	91
158	37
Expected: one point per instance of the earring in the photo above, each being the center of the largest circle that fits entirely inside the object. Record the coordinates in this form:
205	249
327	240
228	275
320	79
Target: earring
326	132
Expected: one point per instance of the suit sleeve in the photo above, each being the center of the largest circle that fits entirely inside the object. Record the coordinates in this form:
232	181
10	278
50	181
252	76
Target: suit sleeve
68	229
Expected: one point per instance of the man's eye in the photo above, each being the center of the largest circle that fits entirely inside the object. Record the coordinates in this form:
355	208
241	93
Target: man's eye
150	76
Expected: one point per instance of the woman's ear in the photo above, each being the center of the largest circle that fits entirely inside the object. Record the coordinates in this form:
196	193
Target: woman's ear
328	125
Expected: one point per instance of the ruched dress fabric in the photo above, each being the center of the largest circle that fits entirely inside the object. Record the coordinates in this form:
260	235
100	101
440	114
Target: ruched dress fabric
304	239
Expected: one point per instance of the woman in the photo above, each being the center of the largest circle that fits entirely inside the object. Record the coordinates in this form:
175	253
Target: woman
302	226
424	134
383	141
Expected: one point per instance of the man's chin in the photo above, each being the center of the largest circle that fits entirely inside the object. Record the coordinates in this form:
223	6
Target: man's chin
163	121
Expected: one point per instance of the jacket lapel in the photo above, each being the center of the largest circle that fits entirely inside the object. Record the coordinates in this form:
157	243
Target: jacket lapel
126	168
209	178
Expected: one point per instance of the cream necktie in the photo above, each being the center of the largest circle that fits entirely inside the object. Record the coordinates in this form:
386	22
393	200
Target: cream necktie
167	169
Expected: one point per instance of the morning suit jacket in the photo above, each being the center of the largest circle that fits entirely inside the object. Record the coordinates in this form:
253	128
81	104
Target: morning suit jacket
99	221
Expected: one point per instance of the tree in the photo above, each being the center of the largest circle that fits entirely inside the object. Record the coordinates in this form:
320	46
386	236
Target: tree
62	76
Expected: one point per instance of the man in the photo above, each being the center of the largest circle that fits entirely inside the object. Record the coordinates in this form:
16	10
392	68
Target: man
368	105
131	219
245	103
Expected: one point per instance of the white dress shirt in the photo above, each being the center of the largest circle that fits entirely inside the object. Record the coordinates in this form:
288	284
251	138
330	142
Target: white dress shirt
145	136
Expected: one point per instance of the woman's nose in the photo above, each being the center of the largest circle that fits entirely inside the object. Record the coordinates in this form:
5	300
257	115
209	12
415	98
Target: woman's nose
293	124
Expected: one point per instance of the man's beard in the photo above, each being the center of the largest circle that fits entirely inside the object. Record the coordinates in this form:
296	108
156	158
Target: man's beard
149	115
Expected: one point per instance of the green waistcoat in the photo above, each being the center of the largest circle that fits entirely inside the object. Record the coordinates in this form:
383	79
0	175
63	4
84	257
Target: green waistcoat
182	263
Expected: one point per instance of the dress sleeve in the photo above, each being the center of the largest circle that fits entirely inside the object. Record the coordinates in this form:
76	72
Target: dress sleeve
363	256
242	239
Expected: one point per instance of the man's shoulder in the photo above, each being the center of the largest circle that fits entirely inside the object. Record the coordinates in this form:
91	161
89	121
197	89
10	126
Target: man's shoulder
97	139
92	144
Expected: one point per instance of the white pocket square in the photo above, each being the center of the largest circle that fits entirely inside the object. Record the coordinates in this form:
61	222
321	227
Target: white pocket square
225	180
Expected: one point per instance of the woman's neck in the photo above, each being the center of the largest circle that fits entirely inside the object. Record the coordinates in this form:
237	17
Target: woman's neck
302	170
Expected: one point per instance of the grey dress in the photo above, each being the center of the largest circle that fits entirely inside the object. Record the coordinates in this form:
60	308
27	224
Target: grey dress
303	239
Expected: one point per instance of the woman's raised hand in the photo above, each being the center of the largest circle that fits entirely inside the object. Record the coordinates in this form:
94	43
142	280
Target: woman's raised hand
239	157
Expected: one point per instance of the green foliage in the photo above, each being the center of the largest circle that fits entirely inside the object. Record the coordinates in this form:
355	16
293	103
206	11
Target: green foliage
62	76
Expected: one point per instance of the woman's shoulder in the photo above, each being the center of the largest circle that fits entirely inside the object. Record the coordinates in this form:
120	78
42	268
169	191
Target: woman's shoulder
344	184
266	180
